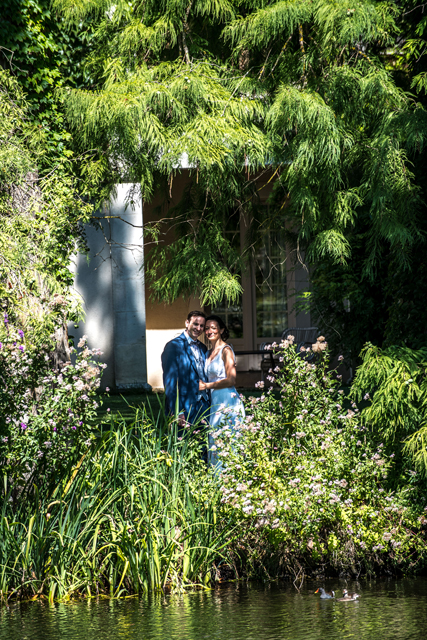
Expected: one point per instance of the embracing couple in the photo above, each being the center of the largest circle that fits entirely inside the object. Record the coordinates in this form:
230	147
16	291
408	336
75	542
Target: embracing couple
202	381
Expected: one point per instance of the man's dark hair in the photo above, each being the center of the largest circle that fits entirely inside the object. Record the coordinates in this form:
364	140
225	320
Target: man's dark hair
196	314
220	322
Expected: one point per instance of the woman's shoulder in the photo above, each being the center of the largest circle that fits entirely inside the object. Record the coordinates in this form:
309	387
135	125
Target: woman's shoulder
227	349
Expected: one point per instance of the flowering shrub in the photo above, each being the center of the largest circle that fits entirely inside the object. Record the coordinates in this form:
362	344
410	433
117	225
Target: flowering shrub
301	469
46	416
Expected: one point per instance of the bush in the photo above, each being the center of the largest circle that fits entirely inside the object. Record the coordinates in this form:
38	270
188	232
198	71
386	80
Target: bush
47	415
305	477
396	380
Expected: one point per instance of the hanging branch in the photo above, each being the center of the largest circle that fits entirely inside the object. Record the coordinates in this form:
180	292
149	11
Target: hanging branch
185	29
280	55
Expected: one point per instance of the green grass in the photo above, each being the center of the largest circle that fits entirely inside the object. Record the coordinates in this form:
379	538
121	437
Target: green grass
125	519
124	405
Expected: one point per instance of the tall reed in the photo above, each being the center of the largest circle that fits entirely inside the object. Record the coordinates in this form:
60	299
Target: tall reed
125	519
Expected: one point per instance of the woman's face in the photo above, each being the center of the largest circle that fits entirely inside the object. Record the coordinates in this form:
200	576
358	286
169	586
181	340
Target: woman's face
212	330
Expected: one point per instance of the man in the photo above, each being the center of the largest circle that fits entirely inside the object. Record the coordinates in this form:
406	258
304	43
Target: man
183	364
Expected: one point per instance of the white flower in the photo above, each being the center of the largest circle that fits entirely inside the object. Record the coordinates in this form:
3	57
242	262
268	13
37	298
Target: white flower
82	341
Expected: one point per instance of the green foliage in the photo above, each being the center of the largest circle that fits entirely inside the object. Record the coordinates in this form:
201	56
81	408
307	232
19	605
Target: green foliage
47	415
335	178
207	256
396	378
315	93
42	55
303	87
303	481
39	224
277	20
36	247
150	119
308	478
15	133
315	90
127	518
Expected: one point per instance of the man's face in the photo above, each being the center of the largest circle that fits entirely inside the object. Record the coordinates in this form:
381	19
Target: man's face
195	326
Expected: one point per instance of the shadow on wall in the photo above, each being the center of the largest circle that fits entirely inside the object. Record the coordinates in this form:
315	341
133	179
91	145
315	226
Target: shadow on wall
93	283
111	285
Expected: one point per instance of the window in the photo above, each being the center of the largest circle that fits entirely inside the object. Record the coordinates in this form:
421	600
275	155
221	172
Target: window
264	300
232	316
270	283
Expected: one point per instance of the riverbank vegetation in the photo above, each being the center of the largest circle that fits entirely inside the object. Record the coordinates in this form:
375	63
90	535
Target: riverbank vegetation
305	487
125	519
317	478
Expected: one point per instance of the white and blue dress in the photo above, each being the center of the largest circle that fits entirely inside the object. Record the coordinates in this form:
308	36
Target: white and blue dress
226	406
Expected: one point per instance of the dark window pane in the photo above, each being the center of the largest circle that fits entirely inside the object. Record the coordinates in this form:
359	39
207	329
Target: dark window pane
232	317
271	292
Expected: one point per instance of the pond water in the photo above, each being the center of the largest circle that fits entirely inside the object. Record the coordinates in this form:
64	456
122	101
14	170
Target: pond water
386	610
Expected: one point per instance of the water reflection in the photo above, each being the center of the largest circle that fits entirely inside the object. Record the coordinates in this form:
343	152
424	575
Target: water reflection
394	610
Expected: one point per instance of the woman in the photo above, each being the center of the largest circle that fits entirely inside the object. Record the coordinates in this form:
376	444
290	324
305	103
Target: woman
226	406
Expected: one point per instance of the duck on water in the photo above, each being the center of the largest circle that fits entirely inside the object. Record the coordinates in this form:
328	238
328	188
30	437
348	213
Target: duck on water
347	597
329	595
325	595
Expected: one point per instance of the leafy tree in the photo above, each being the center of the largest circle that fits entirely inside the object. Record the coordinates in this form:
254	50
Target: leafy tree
39	224
308	90
395	378
42	55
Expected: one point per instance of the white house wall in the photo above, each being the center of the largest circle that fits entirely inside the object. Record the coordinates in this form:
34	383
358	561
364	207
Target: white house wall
110	282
